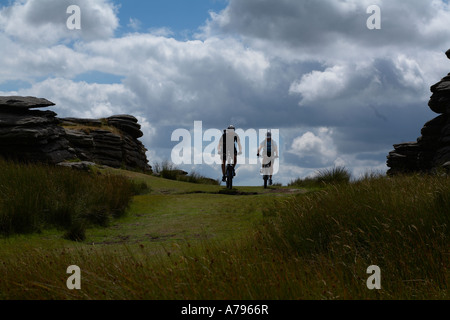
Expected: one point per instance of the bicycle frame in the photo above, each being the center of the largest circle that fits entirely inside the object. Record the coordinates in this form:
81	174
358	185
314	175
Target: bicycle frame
229	171
267	169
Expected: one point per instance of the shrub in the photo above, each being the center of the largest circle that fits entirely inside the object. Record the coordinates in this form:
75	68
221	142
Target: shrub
336	175
76	232
166	170
34	196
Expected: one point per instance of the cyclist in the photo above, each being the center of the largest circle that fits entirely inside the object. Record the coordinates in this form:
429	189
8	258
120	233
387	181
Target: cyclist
270	153
232	138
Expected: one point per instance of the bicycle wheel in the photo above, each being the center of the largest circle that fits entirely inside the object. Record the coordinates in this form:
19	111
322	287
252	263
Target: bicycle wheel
229	177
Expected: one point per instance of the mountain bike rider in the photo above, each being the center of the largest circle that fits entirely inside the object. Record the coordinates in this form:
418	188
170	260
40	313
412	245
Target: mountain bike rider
270	154
227	143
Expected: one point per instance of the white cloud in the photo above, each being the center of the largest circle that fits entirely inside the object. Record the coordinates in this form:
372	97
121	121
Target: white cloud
252	65
134	24
161	32
80	99
318	148
319	85
43	22
411	72
316	26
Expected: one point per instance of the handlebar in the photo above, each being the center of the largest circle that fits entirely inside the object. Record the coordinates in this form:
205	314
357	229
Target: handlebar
260	156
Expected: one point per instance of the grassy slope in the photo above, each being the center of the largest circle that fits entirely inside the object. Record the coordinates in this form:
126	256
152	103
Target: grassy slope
187	241
170	215
180	211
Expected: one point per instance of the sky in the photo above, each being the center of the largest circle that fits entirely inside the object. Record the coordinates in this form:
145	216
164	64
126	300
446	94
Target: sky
339	93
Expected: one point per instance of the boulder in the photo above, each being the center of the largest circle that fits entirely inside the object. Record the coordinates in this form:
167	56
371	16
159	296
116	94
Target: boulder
31	135
440	100
25	103
82	165
126	123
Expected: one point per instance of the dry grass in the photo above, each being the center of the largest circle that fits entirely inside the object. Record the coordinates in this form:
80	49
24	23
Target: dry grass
35	197
313	246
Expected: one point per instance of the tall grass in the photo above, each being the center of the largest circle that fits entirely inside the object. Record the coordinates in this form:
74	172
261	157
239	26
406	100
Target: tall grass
400	224
336	175
313	246
33	197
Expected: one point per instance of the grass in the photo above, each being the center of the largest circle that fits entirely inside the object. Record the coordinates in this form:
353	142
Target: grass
400	224
337	175
168	170
188	241
88	129
35	197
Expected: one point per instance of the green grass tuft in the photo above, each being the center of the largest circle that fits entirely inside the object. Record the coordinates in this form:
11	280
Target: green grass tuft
336	175
34	197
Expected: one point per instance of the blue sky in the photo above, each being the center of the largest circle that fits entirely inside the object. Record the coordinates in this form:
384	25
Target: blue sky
182	17
339	93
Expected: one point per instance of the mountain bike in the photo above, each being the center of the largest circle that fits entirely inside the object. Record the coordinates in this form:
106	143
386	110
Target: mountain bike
266	171
229	171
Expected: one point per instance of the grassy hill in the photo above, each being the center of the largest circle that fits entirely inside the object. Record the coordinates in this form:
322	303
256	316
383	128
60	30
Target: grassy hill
179	240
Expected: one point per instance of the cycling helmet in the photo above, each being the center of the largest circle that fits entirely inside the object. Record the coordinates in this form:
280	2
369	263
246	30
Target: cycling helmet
231	127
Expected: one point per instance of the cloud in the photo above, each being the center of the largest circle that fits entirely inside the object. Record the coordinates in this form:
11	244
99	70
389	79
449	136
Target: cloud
317	84
338	92
83	100
162	32
315	26
197	80
43	22
134	24
315	150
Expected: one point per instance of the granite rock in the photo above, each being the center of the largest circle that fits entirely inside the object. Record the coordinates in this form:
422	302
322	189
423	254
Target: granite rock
39	136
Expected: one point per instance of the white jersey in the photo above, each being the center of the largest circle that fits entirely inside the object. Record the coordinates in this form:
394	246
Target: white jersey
270	148
231	138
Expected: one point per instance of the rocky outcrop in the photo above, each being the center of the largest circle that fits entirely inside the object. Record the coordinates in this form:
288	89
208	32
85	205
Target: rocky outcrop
432	149
31	135
111	141
39	136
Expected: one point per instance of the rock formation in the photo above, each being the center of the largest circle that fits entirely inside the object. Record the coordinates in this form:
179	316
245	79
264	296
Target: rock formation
39	136
111	141
31	134
432	149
